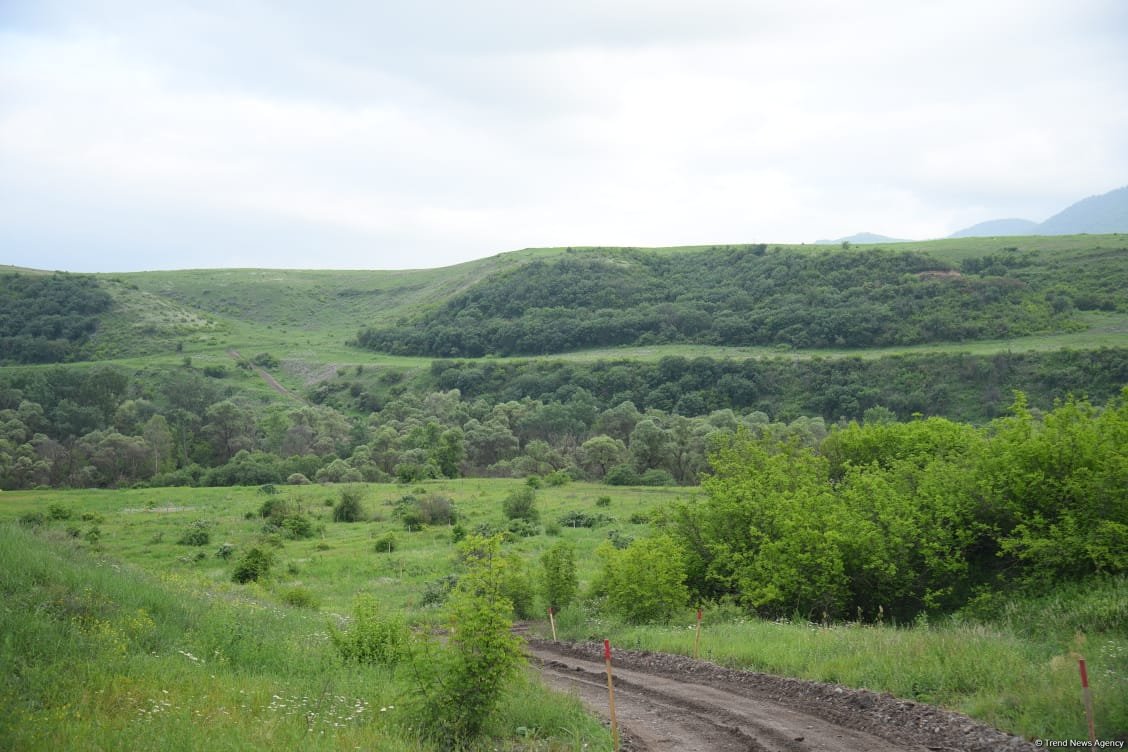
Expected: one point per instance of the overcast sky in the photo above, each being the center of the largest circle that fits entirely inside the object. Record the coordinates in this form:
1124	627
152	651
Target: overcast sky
153	134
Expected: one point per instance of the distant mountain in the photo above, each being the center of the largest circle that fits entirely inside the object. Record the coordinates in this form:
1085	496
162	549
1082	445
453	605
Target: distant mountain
1107	212
862	237
998	227
1096	214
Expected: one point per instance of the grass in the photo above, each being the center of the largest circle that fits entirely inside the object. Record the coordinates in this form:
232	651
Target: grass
99	654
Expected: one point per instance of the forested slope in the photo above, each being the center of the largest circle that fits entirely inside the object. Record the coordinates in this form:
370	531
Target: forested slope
753	295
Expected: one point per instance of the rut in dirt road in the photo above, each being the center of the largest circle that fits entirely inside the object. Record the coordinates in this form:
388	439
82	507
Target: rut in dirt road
667	702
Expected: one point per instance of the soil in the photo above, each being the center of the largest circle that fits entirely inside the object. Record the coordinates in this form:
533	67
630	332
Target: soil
669	702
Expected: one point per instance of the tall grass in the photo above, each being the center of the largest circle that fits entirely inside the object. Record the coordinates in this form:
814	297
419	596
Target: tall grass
97	655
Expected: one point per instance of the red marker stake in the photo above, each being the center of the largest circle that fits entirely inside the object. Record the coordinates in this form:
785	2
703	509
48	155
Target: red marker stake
1088	703
552	621
611	695
697	637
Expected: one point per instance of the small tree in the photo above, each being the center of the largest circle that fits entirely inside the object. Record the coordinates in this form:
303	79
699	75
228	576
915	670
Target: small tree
558	578
253	565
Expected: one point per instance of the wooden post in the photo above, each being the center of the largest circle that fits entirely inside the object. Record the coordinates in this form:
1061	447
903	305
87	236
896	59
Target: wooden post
1088	695
697	637
611	695
552	621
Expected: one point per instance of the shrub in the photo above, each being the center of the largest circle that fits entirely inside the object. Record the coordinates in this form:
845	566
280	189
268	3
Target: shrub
33	519
463	686
253	565
297	479
523	528
300	597
558	575
349	508
386	544
58	512
197	534
645	582
603	501
457	533
224	551
297	526
557	478
583	519
436	592
521	504
621	475
373	638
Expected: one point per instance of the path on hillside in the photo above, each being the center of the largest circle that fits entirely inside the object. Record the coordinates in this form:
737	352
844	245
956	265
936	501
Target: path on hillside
270	380
667	702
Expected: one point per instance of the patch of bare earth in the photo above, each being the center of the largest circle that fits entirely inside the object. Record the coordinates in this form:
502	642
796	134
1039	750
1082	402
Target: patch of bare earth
668	702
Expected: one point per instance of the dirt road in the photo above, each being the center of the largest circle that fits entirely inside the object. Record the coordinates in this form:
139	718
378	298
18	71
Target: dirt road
666	702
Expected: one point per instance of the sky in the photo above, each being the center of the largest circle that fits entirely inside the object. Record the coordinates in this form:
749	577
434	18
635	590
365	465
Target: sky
158	134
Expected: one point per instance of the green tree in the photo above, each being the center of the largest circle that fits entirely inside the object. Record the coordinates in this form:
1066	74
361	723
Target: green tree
645	582
558	575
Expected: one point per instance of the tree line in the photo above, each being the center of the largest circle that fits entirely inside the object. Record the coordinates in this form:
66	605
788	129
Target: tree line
618	422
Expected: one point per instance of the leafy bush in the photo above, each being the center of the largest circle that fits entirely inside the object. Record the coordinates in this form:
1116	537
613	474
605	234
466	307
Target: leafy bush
559	583
297	527
300	597
603	501
59	512
197	534
577	518
253	565
521	504
523	528
348	508
297	479
557	478
373	638
225	550
644	582
436	592
622	475
656	477
386	544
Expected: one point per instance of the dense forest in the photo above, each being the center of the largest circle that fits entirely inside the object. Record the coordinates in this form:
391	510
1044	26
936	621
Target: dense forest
750	295
623	422
47	318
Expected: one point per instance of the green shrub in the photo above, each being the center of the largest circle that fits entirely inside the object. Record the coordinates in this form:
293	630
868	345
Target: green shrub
557	478
348	508
656	477
558	575
603	501
521	504
386	543
621	475
59	512
253	565
197	534
523	528
436	592
300	597
645	582
225	550
372	638
297	527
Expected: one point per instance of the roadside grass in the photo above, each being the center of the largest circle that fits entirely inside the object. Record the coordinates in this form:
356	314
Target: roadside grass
97	654
1012	665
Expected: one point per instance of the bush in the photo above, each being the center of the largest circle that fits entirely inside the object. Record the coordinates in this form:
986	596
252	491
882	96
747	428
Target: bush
557	478
59	512
349	508
603	501
583	519
621	475
436	592
197	534
644	582
297	479
558	575
253	565
300	597
523	528
386	544
373	638
521	504
297	527
224	551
